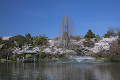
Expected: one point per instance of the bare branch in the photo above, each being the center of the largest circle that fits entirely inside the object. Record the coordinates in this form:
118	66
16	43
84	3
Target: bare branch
66	31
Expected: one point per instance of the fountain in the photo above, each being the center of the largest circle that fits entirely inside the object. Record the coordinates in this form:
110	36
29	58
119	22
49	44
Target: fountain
80	58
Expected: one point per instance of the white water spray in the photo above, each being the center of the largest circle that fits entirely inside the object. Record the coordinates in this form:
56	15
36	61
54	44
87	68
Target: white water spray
80	58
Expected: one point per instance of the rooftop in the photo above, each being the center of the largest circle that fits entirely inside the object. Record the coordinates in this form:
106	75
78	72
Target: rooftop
30	51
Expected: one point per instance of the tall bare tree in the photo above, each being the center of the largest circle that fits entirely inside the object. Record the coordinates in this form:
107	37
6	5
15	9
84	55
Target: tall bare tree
66	31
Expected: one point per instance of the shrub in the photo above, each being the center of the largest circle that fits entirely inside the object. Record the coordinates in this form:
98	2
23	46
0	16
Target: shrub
61	55
81	54
114	58
42	55
98	55
29	55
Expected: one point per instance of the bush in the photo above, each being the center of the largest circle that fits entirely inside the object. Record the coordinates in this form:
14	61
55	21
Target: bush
42	55
98	55
114	58
29	55
61	55
81	54
12	57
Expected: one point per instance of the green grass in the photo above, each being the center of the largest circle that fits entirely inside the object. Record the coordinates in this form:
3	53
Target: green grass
100	59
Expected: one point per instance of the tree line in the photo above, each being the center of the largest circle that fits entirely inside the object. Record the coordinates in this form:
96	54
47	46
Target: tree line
19	41
66	34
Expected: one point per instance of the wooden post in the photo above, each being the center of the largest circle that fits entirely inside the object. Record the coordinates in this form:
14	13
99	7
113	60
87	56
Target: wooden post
34	58
7	57
23	58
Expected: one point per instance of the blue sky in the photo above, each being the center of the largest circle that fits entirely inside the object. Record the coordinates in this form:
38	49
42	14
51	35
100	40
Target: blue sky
39	17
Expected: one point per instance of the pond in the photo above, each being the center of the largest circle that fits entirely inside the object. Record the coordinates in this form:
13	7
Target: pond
67	70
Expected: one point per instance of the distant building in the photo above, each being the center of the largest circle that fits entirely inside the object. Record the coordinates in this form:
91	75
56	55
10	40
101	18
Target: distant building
30	56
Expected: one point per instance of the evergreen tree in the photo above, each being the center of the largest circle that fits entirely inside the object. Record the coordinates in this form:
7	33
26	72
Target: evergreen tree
1	40
109	33
28	39
28	36
40	40
90	34
19	39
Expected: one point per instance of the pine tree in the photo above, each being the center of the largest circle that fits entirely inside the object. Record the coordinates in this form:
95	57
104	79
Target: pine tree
90	34
28	36
28	39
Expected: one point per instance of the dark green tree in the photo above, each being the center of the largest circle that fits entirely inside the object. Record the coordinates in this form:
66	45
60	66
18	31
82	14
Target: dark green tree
40	40
6	49
109	33
7	44
28	36
29	39
19	39
1	40
90	34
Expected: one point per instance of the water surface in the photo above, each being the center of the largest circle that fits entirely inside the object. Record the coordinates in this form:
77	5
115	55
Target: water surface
68	70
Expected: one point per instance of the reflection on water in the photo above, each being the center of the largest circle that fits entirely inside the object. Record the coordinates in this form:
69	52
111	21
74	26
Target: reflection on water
59	71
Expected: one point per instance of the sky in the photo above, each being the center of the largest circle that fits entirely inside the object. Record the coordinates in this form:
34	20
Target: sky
39	17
